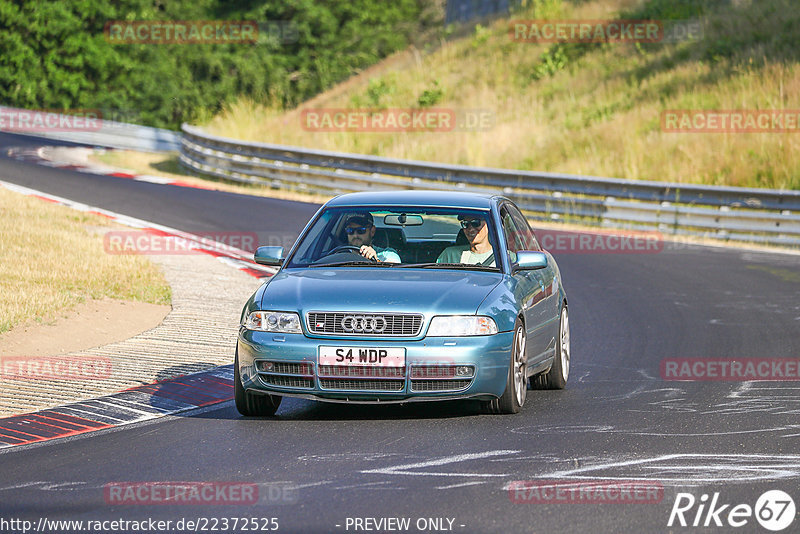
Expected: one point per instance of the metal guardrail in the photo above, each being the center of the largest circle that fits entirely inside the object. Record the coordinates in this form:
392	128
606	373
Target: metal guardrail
101	132
732	213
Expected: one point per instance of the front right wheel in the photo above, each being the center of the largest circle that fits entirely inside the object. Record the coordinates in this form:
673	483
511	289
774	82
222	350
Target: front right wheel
249	404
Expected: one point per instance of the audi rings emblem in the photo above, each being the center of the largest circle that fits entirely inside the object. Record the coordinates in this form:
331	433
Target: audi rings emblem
364	323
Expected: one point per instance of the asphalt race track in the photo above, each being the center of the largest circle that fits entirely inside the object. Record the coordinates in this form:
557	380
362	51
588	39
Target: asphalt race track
447	467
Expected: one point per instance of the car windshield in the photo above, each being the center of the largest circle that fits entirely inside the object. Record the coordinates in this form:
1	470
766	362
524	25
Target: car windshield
399	237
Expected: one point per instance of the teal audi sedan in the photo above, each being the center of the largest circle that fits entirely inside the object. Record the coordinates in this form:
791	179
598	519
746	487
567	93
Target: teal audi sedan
394	297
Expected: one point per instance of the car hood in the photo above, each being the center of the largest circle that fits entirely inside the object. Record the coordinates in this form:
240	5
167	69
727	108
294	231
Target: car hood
391	289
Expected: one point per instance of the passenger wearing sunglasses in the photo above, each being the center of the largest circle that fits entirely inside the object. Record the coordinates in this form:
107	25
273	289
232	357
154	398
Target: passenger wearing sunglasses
478	251
359	230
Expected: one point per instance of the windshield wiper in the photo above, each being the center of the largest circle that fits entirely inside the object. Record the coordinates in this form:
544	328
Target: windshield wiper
467	266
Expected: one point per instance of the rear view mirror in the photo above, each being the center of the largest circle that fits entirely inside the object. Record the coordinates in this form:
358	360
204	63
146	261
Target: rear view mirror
528	260
403	220
269	256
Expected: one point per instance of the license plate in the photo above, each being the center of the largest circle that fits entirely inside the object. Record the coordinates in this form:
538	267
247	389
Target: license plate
369	356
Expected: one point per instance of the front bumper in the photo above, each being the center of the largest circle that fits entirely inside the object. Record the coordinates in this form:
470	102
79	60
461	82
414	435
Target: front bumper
288	365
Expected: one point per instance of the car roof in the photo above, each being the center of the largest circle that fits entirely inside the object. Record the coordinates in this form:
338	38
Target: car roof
440	199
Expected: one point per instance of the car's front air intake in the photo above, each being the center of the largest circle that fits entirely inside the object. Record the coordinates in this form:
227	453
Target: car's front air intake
364	324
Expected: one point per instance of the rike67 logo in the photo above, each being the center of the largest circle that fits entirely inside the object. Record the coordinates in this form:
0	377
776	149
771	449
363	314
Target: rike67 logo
774	510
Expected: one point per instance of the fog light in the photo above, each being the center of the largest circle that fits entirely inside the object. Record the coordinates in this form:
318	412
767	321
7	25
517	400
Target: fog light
463	370
266	367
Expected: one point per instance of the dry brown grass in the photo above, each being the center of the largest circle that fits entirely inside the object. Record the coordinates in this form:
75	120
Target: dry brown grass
52	258
600	115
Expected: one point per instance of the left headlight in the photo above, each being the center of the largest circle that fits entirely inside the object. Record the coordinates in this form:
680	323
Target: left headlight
461	325
274	321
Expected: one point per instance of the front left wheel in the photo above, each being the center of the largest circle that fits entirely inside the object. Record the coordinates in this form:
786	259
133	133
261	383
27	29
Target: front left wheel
249	404
556	377
517	382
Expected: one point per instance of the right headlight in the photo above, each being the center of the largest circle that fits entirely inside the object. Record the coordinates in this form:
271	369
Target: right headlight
461	325
274	321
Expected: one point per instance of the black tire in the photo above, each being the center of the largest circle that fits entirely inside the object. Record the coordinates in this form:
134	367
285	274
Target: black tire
250	404
556	377
514	396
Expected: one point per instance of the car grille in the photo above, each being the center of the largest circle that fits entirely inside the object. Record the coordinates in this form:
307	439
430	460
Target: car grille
368	372
286	374
434	371
362	385
288	381
396	324
439	385
285	368
300	375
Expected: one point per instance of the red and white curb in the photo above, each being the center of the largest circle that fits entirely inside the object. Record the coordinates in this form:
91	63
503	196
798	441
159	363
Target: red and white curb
39	156
235	257
139	403
133	405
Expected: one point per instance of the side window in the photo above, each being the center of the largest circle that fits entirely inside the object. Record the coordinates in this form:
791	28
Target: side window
512	235
527	237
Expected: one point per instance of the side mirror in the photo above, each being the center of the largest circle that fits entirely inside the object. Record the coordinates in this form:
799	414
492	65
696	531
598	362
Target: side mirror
269	256
530	260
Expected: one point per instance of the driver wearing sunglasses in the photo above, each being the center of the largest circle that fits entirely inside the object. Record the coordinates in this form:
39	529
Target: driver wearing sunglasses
478	251
359	230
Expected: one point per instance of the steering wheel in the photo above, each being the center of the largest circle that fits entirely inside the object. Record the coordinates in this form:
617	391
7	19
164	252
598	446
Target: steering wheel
349	248
342	248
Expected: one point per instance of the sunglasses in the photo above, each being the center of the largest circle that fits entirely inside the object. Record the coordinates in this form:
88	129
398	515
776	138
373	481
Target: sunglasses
475	223
359	230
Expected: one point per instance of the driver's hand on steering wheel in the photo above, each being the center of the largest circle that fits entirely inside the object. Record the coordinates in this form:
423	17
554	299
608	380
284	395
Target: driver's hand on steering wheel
369	253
